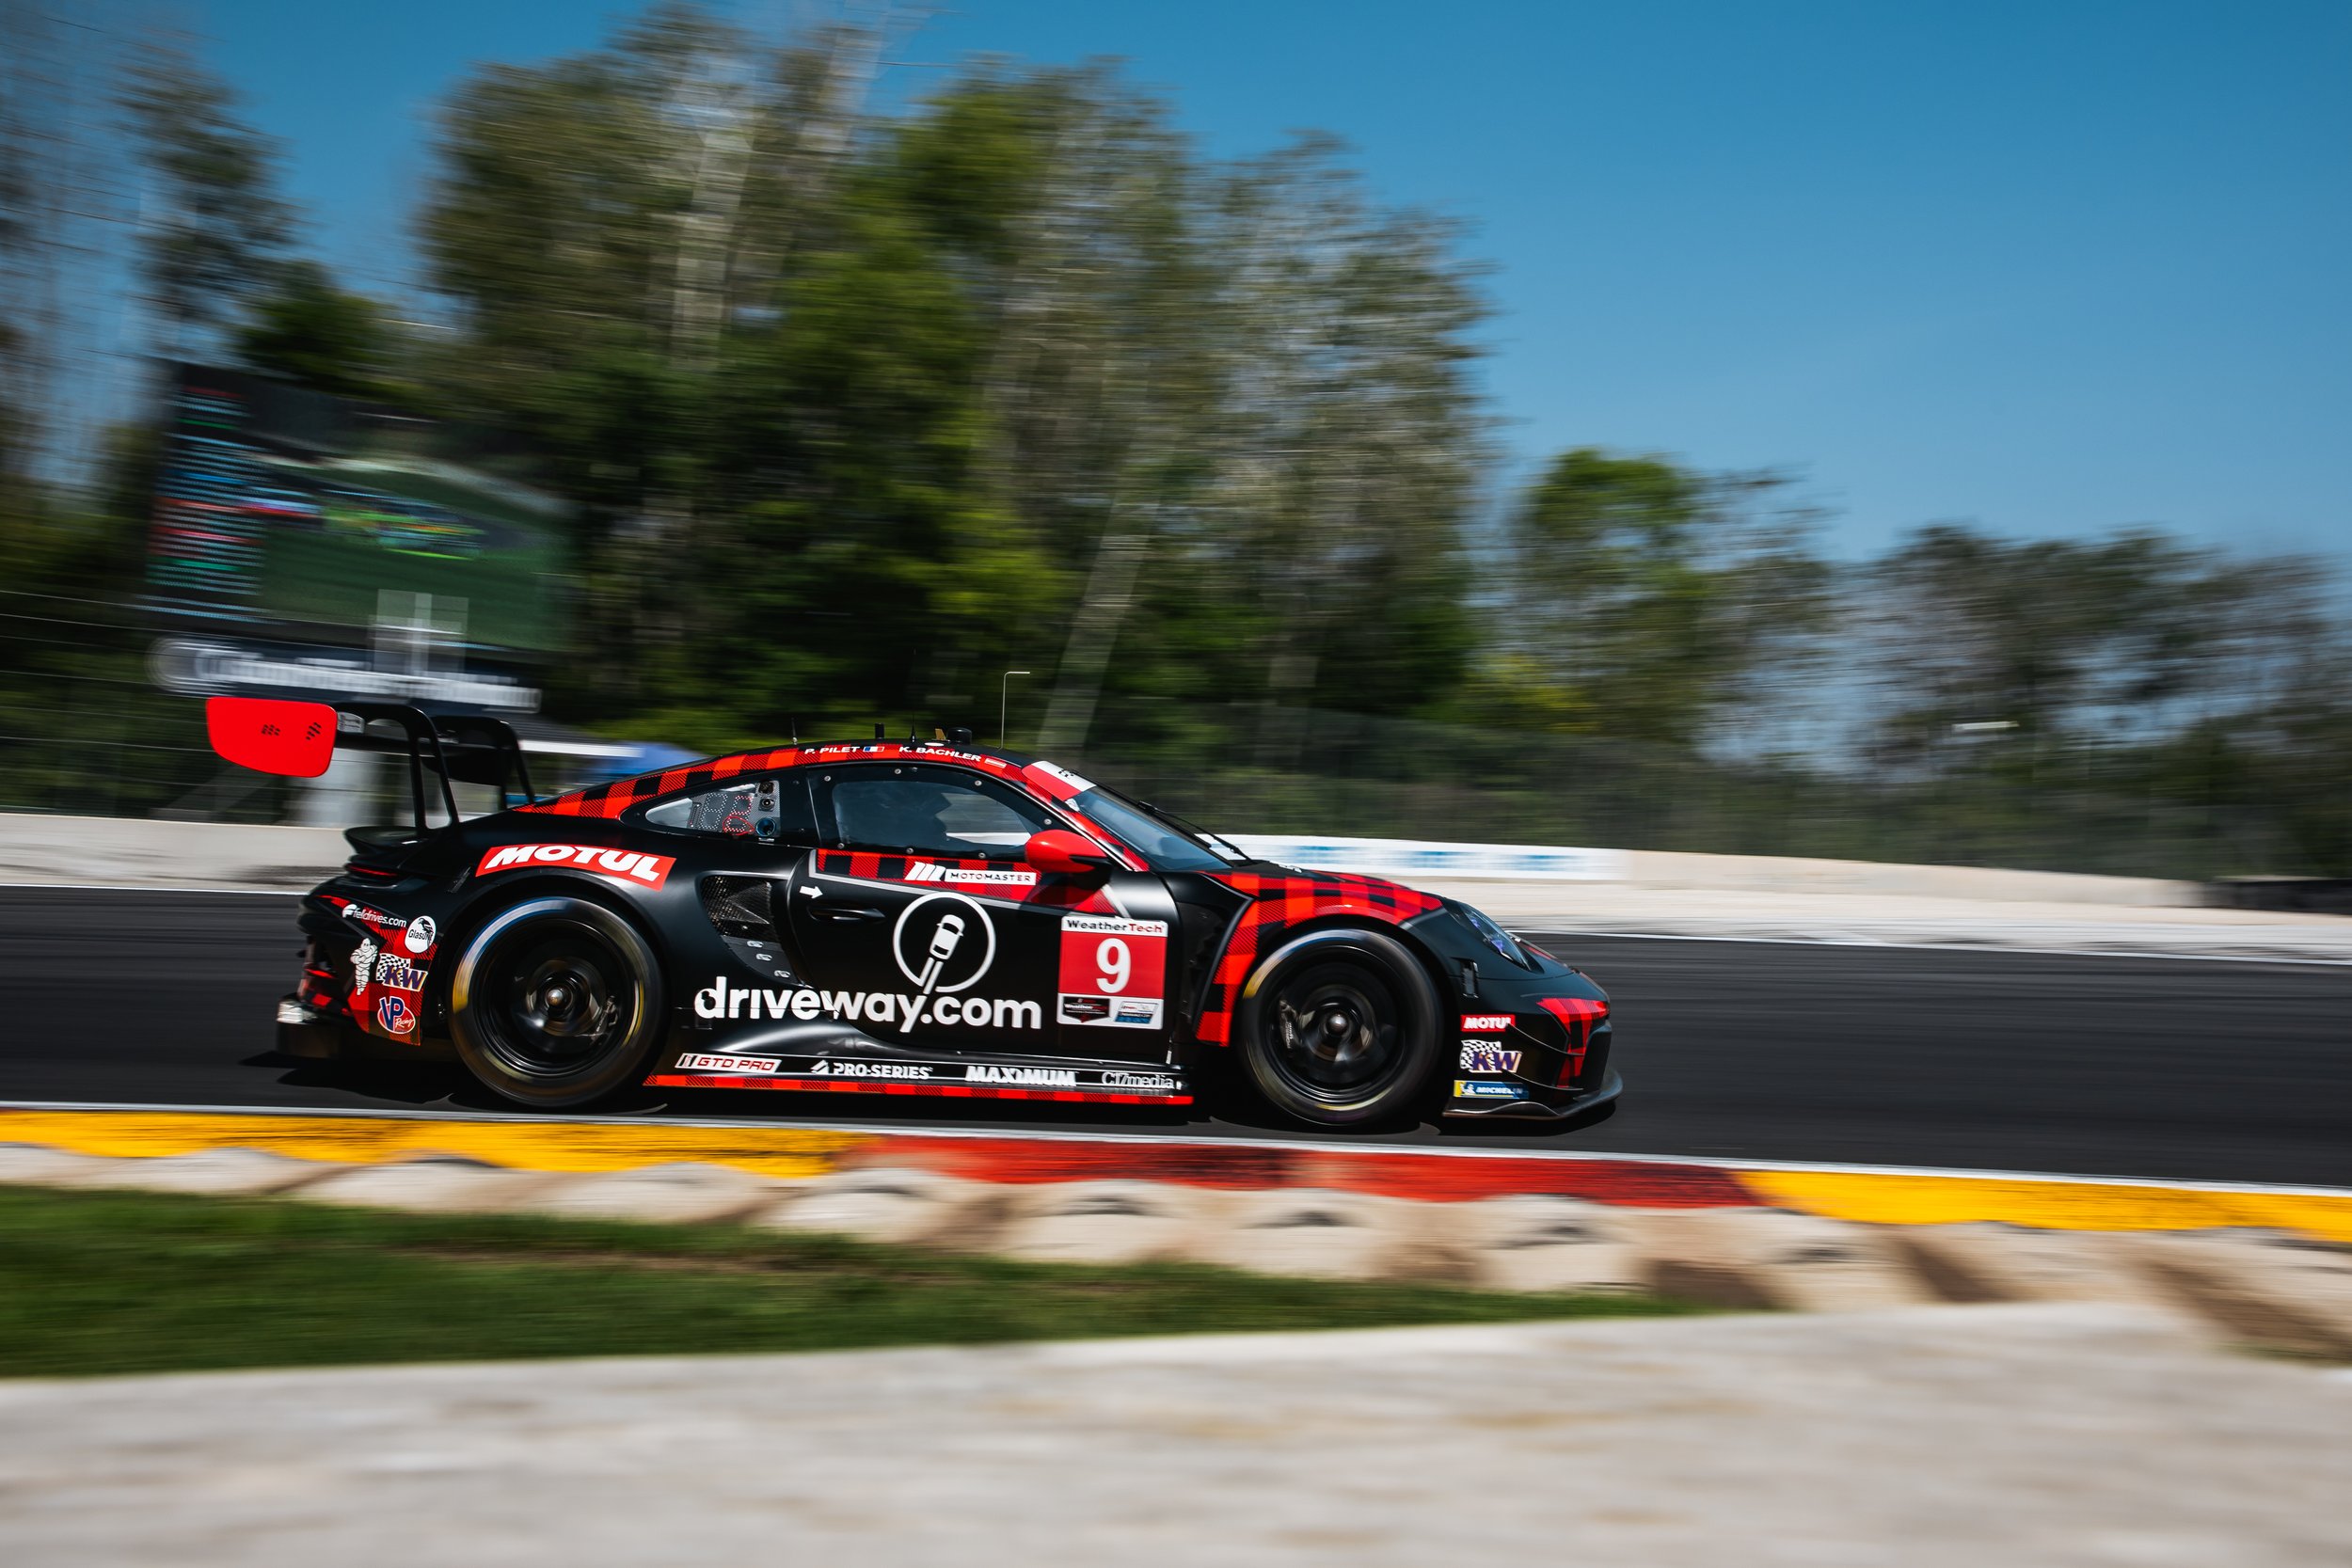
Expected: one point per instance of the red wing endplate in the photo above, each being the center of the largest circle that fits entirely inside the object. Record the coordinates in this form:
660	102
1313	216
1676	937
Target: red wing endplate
295	740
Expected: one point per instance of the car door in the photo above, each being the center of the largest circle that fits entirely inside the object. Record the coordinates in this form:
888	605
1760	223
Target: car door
741	843
923	924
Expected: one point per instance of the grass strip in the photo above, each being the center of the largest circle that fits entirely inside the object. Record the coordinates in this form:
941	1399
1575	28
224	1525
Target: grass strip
98	1282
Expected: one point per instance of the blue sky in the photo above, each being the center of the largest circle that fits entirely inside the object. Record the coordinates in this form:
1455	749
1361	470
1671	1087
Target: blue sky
2053	267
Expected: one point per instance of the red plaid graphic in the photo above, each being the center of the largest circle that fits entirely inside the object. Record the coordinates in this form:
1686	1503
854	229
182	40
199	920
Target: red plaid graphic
1279	904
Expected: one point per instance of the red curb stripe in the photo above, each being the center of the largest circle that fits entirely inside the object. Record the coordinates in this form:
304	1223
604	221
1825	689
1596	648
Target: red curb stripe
1627	1184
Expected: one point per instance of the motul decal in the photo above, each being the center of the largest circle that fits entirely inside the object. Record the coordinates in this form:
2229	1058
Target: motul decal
629	866
1485	1023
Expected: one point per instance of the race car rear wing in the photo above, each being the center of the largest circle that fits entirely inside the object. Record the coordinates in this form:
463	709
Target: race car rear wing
298	740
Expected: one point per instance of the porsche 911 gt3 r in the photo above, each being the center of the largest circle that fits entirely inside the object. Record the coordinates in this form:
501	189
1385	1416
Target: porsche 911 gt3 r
914	917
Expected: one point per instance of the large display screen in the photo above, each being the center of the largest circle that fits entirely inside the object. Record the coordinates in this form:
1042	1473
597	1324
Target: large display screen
286	513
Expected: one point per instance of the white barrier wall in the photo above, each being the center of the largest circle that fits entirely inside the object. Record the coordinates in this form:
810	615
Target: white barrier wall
127	852
1404	859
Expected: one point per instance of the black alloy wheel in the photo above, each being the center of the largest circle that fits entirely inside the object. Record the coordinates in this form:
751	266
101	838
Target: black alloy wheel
556	1002
1340	1028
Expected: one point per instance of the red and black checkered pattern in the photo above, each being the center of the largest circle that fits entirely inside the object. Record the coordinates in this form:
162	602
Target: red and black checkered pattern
1279	904
610	800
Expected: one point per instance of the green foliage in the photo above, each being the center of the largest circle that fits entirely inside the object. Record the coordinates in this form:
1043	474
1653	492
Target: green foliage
863	411
307	331
95	1283
1647	598
216	224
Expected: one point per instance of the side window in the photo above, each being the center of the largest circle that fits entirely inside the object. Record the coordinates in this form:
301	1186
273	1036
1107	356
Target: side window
922	810
772	811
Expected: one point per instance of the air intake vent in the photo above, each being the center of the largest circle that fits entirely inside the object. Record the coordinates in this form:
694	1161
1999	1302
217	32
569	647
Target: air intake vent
738	906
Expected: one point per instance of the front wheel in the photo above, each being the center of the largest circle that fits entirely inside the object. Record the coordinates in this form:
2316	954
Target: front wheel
556	1002
1340	1028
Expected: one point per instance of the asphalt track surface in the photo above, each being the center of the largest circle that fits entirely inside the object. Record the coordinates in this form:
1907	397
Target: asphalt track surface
1979	1059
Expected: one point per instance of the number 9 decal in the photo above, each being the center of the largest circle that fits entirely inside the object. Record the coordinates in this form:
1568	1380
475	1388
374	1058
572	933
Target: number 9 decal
1114	972
1115	961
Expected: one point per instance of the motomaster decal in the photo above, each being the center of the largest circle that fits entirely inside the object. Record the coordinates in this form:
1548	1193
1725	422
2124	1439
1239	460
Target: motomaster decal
1479	1056
931	871
420	935
1113	970
721	999
1485	1023
397	1017
629	866
705	1062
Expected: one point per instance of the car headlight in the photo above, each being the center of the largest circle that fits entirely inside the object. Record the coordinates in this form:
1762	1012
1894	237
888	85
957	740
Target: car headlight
1494	936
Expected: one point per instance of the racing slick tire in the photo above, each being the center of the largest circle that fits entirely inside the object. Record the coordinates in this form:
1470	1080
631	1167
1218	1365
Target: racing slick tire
1340	1028
556	1002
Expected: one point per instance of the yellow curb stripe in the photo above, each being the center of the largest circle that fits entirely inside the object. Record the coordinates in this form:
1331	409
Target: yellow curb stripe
1883	1198
785	1152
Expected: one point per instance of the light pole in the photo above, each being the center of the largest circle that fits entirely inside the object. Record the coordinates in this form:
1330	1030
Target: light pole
1003	687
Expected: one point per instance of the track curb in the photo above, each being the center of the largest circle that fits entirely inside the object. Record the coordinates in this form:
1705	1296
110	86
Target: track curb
2266	1266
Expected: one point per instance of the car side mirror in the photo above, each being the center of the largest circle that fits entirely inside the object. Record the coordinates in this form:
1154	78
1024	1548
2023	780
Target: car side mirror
1059	849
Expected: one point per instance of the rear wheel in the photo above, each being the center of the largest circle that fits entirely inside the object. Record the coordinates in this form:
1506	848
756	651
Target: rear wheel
1340	1028
556	1002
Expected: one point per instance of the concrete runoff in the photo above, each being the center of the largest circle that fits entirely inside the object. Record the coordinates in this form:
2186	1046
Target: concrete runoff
681	1194
908	1207
1937	1437
1109	1222
1313	1234
35	1165
2001	1262
1770	1258
1536	1242
2278	1292
429	1186
209	1172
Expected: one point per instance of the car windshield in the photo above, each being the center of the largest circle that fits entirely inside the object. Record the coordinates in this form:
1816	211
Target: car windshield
1166	847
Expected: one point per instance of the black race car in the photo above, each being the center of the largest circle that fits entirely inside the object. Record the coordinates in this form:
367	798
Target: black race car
897	918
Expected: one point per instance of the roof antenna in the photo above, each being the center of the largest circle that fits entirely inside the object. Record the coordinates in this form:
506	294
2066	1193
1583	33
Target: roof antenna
878	729
794	721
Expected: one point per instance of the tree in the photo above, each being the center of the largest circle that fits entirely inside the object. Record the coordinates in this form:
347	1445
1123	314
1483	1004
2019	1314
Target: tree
1644	599
214	227
307	331
864	408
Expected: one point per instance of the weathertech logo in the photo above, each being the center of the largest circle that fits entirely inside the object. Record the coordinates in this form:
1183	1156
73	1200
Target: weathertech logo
1485	1023
623	865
